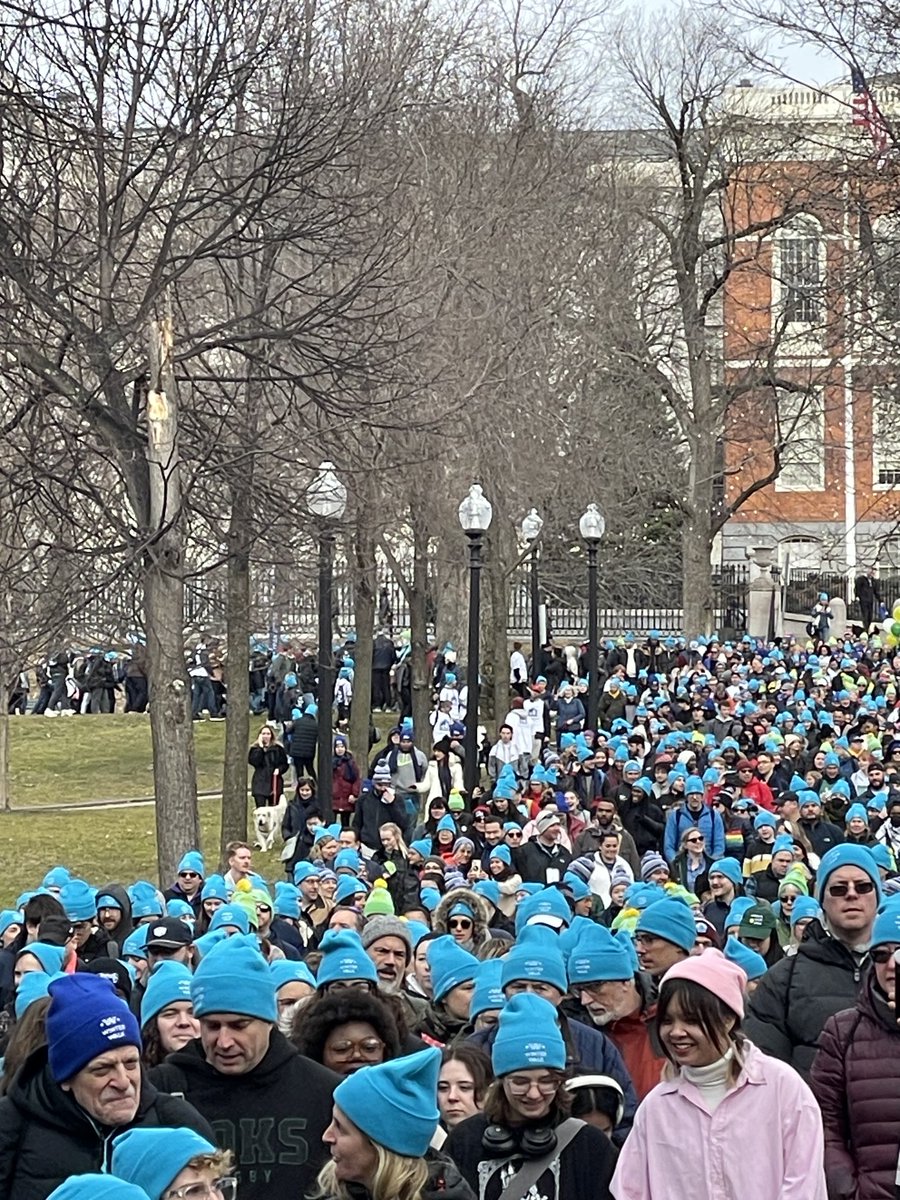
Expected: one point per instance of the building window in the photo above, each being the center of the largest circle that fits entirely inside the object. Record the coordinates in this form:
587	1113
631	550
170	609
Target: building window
880	244
801	434
885	446
799	270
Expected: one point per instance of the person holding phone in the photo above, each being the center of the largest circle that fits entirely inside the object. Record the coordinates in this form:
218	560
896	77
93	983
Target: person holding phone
856	1076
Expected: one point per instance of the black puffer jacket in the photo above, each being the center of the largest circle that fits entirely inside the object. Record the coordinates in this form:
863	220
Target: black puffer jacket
45	1136
856	1079
788	1010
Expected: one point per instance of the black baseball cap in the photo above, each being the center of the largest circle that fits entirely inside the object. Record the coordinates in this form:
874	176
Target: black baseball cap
169	933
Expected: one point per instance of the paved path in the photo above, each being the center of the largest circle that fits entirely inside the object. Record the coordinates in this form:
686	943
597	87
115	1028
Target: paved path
89	805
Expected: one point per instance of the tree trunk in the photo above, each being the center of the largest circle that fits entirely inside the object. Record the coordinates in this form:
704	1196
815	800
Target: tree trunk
697	540
495	647
237	627
364	618
174	770
5	797
418	638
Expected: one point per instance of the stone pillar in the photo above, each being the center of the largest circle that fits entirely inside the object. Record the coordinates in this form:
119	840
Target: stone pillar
762	590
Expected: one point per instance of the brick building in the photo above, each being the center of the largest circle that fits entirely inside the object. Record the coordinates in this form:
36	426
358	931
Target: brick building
821	294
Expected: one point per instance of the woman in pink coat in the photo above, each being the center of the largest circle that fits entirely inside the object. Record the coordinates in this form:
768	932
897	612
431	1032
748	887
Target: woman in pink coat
691	1132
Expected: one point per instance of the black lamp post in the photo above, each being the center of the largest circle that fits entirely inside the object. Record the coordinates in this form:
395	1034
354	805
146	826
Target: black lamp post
326	497
531	531
475	514
592	526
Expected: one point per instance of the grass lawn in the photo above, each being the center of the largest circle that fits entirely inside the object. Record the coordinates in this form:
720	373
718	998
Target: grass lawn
63	760
115	845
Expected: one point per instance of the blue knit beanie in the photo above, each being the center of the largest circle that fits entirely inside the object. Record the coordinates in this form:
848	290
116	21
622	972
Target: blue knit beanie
97	1187
535	956
765	818
693	786
752	964
192	861
882	856
284	970
395	1103
145	901
887	922
344	957
856	810
577	886
10	916
348	888
214	888
846	855
528	1036
670	920
152	1158
547	906
784	842
598	955
738	907
803	908
450	965
446	822
235	978
502	852
107	900
488	992
78	900
287	900
50	957
347	860
34	986
490	890
135	945
228	915
85	1019
169	983
56	877
421	846
303	870
730	868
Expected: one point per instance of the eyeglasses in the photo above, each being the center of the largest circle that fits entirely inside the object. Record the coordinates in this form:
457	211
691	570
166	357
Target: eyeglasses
881	955
518	1086
226	1188
861	887
479	817
188	874
516	834
343	985
364	1048
459	923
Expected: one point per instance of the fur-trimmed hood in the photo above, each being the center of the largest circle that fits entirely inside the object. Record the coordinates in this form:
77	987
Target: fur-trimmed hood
479	907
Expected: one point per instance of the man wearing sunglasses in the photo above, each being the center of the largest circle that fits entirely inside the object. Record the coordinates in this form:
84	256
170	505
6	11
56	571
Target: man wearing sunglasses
796	997
189	882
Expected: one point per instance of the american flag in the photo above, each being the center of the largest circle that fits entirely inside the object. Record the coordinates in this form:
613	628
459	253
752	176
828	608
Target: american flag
866	113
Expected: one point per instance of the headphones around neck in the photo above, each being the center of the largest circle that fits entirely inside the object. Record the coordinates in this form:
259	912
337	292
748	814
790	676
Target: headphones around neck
498	1141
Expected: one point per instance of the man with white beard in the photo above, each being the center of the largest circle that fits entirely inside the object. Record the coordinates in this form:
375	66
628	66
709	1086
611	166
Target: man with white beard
388	944
620	1000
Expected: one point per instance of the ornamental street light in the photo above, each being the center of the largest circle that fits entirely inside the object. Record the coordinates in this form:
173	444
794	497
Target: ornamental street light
592	527
475	514
531	532
326	498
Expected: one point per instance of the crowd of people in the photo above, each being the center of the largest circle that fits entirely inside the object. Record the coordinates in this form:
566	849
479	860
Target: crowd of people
647	960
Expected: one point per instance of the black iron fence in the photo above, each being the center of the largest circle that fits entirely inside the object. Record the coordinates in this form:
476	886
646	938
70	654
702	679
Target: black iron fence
803	587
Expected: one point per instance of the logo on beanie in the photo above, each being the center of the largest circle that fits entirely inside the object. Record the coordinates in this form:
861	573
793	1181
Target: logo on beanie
348	966
533	966
535	1051
112	1028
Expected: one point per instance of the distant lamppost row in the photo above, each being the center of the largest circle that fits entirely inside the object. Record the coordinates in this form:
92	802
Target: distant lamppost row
475	514
592	527
531	531
326	498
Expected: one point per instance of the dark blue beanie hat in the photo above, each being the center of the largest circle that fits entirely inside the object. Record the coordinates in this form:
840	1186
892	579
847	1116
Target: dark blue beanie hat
85	1019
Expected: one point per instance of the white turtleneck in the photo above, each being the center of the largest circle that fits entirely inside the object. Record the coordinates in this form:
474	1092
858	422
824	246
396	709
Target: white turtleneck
712	1081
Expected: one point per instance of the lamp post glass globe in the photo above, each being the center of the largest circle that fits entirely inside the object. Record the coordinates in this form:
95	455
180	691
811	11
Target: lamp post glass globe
326	495
531	525
592	525
475	512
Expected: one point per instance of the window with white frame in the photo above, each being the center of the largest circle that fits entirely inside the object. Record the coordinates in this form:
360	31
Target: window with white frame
801	435
883	266
800	271
885	444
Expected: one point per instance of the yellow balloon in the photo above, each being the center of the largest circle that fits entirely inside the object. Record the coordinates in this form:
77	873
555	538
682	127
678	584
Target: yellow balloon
890	641
895	611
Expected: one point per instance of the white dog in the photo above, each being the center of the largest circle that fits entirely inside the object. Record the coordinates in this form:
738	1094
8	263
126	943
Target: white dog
267	823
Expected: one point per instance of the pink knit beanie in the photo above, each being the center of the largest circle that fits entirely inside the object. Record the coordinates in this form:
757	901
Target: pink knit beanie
713	971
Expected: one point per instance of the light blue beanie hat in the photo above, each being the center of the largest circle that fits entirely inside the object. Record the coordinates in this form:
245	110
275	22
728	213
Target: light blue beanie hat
169	983
153	1158
235	978
395	1103
528	1036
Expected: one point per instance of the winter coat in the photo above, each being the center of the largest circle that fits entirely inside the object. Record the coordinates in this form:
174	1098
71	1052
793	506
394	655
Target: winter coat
371	813
635	1039
345	783
582	1172
856	1079
677	1148
272	1118
794	999
402	882
479	908
452	778
126	924
304	737
588	1052
537	864
45	1136
265	786
645	821
569	716
707	821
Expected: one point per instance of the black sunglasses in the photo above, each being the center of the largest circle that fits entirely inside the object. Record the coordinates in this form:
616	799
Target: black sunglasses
862	887
881	955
